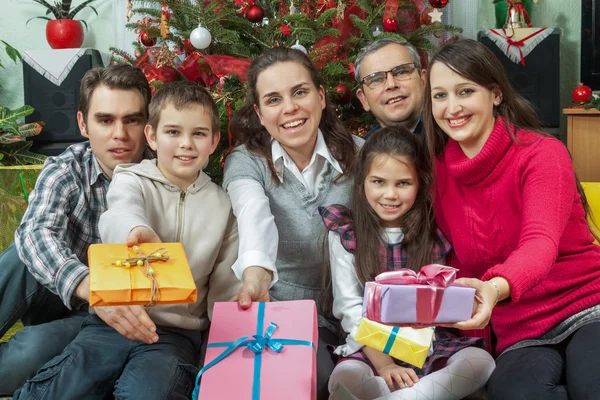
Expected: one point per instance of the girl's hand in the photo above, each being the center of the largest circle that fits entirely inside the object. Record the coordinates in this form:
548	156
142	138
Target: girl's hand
398	377
486	296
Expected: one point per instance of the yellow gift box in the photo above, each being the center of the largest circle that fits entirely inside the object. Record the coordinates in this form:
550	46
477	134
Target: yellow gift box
112	283
405	344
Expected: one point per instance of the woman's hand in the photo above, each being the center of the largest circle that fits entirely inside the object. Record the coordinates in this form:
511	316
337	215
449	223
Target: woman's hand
486	296
398	377
256	285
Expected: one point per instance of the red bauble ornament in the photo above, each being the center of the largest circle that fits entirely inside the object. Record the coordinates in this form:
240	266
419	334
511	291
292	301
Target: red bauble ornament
438	3
255	14
581	94
390	24
342	94
64	33
146	40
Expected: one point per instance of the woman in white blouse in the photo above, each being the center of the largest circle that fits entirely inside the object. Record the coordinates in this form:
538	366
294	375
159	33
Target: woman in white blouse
293	157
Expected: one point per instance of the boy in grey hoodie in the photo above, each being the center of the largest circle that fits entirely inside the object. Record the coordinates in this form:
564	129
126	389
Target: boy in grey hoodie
168	199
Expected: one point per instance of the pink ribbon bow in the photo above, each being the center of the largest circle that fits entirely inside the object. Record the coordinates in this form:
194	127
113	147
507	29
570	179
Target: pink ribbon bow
433	277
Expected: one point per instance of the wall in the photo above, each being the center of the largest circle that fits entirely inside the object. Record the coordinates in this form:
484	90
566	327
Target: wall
33	37
563	14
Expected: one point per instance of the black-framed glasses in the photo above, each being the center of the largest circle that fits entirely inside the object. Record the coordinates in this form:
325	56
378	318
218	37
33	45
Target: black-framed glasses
400	72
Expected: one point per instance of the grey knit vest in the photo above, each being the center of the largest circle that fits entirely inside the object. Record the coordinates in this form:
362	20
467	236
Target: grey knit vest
301	229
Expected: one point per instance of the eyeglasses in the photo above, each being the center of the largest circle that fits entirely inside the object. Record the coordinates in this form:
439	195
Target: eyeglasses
400	72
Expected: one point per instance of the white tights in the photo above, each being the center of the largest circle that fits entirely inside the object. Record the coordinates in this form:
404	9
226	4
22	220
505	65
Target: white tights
465	372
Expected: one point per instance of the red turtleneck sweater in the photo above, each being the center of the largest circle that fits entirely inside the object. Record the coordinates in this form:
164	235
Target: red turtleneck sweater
514	211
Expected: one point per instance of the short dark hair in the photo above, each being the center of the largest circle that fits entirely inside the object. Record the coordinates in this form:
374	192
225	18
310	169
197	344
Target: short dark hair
115	76
183	94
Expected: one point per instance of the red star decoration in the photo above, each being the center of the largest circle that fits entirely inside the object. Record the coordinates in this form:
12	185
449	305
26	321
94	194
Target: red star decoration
285	29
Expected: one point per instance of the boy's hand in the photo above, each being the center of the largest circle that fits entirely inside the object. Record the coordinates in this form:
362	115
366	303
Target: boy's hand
256	285
142	234
398	377
130	321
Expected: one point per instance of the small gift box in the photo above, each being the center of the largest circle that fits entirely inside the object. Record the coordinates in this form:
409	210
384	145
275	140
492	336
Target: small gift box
264	353
428	297
15	185
405	344
146	274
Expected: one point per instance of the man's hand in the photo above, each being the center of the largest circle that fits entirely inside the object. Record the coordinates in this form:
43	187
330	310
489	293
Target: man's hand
142	234
130	321
255	287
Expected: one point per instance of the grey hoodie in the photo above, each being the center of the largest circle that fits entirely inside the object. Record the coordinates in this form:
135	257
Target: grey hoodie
199	217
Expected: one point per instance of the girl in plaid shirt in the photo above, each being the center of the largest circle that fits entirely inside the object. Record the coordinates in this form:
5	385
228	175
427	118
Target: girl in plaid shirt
391	226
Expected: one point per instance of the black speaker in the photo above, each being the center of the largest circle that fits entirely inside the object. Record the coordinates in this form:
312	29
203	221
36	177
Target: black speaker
539	79
57	105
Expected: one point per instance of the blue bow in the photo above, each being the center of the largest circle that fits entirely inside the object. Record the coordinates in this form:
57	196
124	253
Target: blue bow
258	344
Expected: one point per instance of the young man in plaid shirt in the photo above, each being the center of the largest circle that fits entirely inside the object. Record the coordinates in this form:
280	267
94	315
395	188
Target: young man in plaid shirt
61	222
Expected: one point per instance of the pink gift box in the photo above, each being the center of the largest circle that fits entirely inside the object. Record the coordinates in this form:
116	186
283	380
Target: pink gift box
253	369
428	297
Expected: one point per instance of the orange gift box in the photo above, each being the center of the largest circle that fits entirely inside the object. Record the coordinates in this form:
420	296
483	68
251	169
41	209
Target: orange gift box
112	285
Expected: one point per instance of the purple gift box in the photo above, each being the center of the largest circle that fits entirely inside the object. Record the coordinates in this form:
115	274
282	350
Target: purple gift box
428	297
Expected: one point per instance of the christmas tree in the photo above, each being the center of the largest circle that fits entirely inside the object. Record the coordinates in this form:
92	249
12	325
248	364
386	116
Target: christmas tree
213	42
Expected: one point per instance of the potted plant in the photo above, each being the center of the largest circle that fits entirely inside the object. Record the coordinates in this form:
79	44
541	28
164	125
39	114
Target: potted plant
64	32
14	149
10	52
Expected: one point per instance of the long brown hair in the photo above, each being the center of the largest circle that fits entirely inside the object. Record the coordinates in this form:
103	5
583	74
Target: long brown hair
475	62
417	224
247	129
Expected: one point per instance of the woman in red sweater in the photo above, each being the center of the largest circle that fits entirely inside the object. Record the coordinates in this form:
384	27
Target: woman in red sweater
508	200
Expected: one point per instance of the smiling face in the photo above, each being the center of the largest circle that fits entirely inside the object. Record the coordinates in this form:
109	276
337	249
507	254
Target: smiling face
183	141
290	108
396	102
463	109
391	187
114	126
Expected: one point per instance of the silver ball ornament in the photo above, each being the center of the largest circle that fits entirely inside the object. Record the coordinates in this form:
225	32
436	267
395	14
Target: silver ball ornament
200	38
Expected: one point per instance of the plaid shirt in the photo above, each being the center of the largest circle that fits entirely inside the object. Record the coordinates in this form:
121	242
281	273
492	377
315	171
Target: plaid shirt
61	221
338	219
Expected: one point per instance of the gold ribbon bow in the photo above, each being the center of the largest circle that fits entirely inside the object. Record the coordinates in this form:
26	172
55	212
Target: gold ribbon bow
143	263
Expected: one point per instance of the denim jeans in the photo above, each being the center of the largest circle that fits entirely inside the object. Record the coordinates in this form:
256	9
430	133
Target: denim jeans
101	363
49	325
567	370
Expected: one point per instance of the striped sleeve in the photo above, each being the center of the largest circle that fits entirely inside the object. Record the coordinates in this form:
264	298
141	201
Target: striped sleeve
41	237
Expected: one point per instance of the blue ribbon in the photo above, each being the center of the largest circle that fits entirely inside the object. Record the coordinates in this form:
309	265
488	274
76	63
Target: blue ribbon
390	341
257	343
392	338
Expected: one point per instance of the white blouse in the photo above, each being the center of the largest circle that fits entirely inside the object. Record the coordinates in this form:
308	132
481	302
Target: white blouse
259	238
348	292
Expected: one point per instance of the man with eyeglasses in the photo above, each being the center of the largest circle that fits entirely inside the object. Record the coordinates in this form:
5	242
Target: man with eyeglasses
392	83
